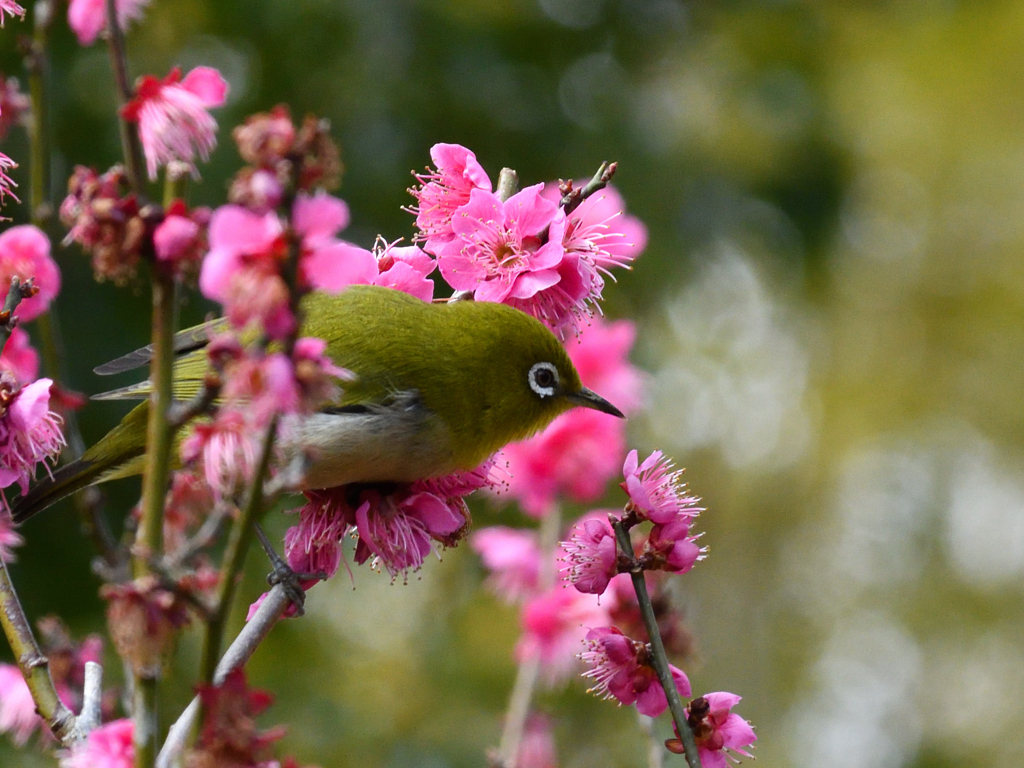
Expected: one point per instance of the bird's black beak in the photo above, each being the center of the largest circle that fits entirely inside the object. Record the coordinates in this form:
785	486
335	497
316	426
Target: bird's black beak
587	398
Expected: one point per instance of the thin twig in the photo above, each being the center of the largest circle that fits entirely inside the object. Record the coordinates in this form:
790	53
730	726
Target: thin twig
8	320
529	670
35	667
130	145
92	698
658	655
573	196
239	652
234	557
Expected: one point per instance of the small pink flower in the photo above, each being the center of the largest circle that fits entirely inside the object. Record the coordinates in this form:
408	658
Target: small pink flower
87	18
109	746
406	269
15	106
29	431
9	538
537	748
601	230
554	623
498	252
397	534
601	355
329	264
25	253
7	184
621	669
656	492
445	190
672	548
228	448
19	358
315	543
174	123
716	729
11	7
591	554
513	558
175	238
17	709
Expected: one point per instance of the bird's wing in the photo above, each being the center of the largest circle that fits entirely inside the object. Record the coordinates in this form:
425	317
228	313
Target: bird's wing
185	341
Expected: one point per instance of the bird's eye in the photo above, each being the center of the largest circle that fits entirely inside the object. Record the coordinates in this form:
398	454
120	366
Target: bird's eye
543	379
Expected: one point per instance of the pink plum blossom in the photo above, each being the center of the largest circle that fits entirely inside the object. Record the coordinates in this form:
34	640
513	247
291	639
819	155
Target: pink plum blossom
671	548
537	748
314	544
12	8
656	492
174	123
591	554
17	709
29	431
7	184
498	252
513	558
227	447
621	669
176	239
716	730
554	623
406	269
25	253
19	358
109	746
87	18
443	191
601	230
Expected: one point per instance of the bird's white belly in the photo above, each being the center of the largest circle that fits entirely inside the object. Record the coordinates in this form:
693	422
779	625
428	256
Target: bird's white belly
385	445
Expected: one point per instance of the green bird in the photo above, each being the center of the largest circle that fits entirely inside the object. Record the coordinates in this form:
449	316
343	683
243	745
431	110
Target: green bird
438	388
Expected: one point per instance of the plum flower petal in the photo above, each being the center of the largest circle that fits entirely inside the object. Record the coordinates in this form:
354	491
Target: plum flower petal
513	558
174	123
17	709
554	623
109	746
591	555
19	358
12	8
620	668
443	191
656	491
716	729
227	447
25	253
29	431
87	18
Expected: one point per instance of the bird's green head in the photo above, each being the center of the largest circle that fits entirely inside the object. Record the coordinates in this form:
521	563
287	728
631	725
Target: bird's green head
522	374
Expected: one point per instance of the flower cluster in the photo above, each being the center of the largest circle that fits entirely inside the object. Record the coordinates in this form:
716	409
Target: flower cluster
524	250
282	158
173	117
105	220
716	729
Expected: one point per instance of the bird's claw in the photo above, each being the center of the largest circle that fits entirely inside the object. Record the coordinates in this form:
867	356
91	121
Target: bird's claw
283	574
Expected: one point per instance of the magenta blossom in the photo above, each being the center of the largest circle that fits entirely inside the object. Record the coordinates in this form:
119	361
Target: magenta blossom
12	8
109	746
25	253
19	358
716	729
174	123
656	492
443	191
554	623
671	548
513	558
87	18
406	269
498	252
591	554
314	544
621	669
29	431
227	446
601	230
17	709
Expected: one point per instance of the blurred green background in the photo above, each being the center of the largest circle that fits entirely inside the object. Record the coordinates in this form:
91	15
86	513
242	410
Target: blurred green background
830	310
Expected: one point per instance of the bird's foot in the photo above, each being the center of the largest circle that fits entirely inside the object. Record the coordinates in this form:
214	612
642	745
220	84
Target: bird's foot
284	575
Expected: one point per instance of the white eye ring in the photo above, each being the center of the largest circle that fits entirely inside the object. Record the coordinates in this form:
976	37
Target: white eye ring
544	390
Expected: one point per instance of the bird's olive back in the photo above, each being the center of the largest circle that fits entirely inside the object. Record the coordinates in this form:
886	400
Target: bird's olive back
493	374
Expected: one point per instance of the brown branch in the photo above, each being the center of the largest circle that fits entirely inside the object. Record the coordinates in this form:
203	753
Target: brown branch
573	196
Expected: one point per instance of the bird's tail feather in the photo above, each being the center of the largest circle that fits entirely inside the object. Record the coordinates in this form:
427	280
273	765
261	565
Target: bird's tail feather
113	456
